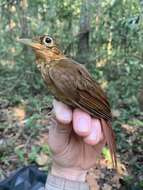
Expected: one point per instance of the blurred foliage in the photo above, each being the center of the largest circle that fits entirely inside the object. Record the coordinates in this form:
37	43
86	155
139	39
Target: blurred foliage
115	50
114	57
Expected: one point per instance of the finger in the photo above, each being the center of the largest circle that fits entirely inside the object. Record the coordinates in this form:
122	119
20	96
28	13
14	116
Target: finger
81	122
62	112
96	134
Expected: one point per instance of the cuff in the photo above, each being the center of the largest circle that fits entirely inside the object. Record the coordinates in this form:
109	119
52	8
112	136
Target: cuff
58	183
73	174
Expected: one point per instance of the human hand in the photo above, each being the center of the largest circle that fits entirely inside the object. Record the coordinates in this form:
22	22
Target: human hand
76	141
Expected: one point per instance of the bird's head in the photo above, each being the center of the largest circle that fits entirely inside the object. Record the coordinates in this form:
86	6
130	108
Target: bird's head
45	48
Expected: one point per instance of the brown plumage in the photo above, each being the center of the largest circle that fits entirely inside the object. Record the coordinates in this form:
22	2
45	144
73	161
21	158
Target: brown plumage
72	84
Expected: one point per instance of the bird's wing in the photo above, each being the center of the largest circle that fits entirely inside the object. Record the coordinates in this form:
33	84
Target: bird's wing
74	82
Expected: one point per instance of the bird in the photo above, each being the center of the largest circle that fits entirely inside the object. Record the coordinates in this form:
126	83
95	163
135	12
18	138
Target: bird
71	83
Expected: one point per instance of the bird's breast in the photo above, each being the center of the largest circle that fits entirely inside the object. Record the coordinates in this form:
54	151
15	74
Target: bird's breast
44	69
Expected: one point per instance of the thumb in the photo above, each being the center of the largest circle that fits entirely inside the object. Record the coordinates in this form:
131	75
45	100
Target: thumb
60	128
62	112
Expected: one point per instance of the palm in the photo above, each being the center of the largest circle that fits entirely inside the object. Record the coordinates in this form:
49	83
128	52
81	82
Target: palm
69	150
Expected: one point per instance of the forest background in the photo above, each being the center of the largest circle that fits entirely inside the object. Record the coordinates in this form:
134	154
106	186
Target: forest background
107	37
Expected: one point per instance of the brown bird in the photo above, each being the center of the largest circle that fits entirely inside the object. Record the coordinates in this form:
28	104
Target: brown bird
72	84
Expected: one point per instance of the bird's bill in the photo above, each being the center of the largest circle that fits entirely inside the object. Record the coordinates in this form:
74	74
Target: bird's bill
29	42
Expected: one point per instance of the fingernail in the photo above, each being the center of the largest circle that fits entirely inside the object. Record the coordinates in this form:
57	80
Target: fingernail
63	112
66	116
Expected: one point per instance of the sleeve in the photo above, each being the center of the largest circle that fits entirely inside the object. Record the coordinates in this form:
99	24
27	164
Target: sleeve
58	183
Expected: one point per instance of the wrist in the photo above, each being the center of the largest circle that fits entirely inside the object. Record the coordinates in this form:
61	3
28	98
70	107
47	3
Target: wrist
74	173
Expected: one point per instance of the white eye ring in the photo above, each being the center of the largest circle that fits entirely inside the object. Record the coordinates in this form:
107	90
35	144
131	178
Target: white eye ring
48	41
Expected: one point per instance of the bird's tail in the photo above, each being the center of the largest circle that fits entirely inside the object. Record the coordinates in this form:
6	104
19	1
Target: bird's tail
110	139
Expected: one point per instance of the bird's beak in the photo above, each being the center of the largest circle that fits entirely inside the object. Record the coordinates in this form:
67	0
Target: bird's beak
29	42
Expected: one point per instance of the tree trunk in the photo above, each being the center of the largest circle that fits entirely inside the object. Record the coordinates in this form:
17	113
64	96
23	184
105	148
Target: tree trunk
84	30
23	4
25	32
140	93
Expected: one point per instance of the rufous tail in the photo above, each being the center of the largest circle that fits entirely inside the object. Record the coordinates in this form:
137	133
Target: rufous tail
110	139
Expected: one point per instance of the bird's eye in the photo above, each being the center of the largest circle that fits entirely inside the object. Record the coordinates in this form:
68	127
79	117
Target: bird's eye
47	41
